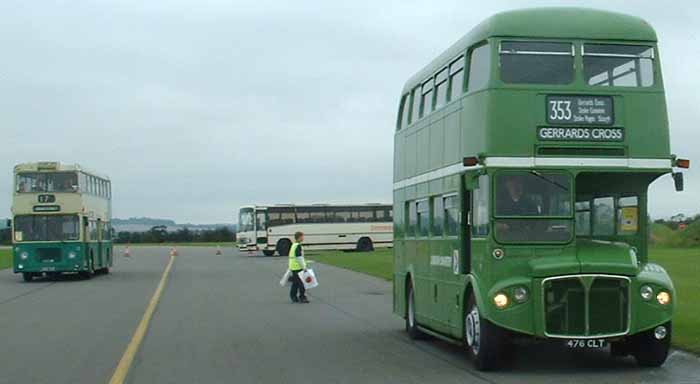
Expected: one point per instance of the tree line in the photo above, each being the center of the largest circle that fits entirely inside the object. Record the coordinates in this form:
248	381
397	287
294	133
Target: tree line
160	234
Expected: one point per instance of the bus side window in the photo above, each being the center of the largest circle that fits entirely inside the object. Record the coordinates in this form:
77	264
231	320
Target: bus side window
438	216
427	103
441	88
456	78
403	111
411	219
422	217
451	204
415	110
480	208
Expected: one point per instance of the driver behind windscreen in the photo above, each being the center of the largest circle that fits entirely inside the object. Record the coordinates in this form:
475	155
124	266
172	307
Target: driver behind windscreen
515	201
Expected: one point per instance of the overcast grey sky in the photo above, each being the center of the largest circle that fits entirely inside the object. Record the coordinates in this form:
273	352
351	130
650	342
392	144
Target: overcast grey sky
195	108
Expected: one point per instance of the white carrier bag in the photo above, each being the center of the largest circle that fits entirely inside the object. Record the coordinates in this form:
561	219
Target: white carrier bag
285	279
309	279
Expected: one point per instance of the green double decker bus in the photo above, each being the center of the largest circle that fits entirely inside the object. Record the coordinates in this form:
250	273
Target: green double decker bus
61	220
523	155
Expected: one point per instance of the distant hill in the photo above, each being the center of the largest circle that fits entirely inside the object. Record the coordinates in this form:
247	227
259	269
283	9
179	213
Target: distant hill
143	224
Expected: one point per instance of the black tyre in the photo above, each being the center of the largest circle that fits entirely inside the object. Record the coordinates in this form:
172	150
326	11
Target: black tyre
283	247
365	245
411	324
650	351
269	253
484	340
27	276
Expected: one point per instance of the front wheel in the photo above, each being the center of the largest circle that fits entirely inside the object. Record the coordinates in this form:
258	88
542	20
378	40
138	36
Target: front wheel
650	348
27	276
268	253
484	340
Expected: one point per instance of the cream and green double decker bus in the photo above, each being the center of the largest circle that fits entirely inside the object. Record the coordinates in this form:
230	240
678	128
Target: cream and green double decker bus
61	220
523	155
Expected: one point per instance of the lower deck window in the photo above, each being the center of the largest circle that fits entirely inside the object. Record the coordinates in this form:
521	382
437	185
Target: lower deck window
47	228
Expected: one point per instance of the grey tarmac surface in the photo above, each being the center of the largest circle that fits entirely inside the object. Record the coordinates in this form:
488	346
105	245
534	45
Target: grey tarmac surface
225	319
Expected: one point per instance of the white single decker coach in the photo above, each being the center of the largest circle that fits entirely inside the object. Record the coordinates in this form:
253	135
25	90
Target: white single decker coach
271	228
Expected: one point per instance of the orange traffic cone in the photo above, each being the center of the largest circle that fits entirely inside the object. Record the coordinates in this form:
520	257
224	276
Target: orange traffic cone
218	250
173	251
127	251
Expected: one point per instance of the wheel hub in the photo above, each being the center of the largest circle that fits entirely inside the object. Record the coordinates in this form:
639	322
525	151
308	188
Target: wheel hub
473	329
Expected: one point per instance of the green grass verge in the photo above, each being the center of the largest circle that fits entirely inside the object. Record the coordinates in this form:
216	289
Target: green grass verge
5	258
682	264
378	263
684	267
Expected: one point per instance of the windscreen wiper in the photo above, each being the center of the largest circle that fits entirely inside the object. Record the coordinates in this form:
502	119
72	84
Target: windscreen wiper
564	187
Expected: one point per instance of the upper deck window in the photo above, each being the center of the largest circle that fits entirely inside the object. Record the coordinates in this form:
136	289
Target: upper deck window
530	62
618	65
479	68
47	182
427	103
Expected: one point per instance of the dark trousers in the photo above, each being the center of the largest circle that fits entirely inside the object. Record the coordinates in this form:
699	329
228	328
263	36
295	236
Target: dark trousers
297	287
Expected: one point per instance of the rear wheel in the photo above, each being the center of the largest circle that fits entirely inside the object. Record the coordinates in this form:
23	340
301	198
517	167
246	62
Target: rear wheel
27	276
650	348
484	340
91	269
365	245
411	324
268	253
283	247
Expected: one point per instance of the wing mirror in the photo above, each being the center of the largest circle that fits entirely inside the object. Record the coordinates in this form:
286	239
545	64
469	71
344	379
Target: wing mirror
678	181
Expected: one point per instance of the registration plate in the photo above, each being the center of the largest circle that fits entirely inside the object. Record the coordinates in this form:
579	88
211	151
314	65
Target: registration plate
586	343
48	269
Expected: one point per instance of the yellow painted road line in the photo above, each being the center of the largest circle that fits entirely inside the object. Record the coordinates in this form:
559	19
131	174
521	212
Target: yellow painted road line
128	357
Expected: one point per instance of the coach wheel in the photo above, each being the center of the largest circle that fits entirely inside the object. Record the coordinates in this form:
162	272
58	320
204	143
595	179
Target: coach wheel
268	253
283	247
411	324
365	245
484	340
27	276
650	348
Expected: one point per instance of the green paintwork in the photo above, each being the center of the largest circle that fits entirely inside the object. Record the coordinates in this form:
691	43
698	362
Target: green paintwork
501	120
93	254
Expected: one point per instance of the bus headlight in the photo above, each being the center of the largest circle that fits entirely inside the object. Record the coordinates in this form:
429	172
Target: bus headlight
24	255
646	292
71	255
501	300
663	298
520	294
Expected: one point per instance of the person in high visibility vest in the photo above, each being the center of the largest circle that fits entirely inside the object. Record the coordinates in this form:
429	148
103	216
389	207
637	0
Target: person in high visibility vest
297	264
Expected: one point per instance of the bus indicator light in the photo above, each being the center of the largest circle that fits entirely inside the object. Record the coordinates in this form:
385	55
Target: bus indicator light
470	161
663	298
501	300
683	163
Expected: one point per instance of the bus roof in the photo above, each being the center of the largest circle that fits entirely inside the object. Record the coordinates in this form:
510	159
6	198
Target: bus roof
54	166
265	206
545	23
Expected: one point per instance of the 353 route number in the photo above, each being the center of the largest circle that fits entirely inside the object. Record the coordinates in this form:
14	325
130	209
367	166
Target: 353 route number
560	110
589	343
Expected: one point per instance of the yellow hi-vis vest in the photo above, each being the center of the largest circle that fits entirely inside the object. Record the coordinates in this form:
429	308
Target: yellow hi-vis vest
293	262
